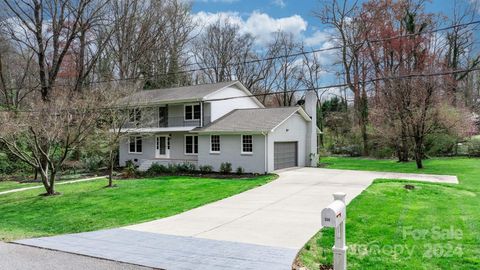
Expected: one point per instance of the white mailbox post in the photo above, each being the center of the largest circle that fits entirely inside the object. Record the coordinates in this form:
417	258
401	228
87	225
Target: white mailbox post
334	216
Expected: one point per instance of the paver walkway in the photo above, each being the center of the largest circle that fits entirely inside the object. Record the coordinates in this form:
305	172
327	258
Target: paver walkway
262	228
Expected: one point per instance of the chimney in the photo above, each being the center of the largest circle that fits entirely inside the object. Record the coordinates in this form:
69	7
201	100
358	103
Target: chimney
311	110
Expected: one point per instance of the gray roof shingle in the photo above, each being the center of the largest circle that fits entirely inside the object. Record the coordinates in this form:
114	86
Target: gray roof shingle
249	120
195	92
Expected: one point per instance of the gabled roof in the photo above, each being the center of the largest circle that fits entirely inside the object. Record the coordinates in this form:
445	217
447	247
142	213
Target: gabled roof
252	120
192	93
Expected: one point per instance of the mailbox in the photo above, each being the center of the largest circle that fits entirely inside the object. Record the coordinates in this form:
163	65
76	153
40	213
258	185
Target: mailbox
334	214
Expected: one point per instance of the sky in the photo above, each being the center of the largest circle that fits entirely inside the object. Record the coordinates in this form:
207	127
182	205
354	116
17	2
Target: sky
262	18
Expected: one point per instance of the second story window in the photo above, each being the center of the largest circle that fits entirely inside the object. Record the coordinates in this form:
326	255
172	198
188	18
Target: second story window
135	115
192	112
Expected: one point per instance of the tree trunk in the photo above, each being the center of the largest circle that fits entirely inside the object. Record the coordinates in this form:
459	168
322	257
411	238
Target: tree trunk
419	152
110	169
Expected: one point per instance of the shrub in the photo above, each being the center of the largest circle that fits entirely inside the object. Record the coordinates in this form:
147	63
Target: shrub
185	167
382	152
9	164
130	169
474	148
92	163
350	150
440	145
205	169
240	170
172	168
226	167
157	169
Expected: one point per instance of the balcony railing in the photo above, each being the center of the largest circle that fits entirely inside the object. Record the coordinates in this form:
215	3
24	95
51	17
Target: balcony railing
170	122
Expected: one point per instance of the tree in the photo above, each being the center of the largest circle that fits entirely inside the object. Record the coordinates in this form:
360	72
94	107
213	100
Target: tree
459	47
220	50
114	120
17	78
346	20
45	135
48	28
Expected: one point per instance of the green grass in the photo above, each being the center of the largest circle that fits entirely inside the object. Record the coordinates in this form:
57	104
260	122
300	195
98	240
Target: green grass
383	216
89	206
9	185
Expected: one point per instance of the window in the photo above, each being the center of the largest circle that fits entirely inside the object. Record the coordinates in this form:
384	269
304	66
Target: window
247	144
191	145
135	116
135	145
215	143
192	112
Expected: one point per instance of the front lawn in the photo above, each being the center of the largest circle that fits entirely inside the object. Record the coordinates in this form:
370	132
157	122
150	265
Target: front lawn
88	206
434	226
9	185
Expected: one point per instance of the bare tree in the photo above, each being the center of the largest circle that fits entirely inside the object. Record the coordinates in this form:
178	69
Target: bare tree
48	28
220	49
287	69
17	74
45	136
115	116
460	45
346	20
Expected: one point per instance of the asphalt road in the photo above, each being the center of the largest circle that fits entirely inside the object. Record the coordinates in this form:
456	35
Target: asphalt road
19	257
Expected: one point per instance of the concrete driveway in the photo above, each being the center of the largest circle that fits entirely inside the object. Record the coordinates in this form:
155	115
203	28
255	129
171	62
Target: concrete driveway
262	228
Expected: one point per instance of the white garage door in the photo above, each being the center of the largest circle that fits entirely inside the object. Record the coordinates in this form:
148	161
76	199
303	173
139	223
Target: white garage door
285	155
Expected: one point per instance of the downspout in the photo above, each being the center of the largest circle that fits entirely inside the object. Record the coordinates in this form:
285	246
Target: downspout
202	114
266	151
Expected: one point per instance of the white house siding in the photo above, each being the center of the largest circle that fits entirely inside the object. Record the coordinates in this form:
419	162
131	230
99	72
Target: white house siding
293	129
177	149
230	146
221	107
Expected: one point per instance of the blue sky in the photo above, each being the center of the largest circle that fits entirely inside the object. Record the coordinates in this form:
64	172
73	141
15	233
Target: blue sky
262	18
286	8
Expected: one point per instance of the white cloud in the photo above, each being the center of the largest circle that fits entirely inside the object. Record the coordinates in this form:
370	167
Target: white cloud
263	27
317	38
260	25
280	3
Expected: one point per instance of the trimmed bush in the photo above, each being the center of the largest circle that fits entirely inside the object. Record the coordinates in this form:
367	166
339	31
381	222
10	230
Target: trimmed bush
205	169
226	167
186	167
240	170
157	169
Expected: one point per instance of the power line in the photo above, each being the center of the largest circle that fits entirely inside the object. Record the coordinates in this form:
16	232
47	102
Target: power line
272	57
407	76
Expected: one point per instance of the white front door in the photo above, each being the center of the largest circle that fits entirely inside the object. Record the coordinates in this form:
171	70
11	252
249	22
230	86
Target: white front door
163	147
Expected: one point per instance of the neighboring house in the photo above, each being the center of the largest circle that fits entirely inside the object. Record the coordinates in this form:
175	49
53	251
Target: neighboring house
215	123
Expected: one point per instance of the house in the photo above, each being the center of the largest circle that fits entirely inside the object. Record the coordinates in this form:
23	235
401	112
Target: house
215	123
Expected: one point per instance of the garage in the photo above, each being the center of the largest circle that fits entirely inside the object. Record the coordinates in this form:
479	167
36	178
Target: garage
285	155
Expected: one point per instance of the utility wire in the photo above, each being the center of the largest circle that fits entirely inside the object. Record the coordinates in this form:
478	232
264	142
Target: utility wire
272	57
408	76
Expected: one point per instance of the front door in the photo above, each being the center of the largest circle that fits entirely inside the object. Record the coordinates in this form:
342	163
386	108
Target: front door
163	147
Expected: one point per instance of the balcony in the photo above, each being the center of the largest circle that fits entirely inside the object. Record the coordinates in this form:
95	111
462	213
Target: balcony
170	122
